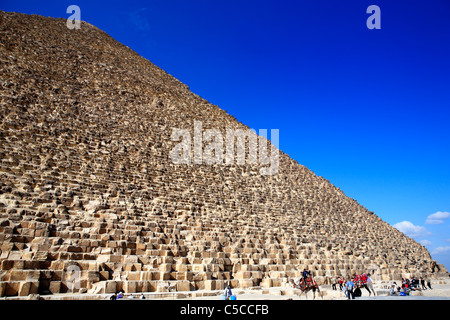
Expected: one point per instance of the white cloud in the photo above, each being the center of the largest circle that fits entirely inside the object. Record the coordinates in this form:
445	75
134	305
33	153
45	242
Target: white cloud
437	218
410	229
441	250
425	242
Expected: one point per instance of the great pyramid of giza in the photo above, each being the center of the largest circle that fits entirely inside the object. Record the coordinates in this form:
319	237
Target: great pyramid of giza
88	185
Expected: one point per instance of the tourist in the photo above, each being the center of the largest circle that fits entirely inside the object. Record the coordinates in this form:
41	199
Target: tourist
405	289
370	285
333	283
349	287
397	288
402	291
113	297
305	274
142	297
429	283
228	292
343	288
414	284
392	291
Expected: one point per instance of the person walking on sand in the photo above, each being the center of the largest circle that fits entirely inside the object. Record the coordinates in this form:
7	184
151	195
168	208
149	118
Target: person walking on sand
422	283
429	283
349	287
341	282
370	285
343	288
333	283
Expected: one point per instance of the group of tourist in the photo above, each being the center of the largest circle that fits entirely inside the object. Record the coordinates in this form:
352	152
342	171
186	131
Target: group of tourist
410	285
335	281
121	295
343	281
350	286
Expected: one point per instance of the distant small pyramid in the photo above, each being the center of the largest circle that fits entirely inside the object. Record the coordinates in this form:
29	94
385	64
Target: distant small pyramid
91	199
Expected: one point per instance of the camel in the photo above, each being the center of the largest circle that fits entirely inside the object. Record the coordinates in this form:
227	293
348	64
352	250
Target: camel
306	286
368	285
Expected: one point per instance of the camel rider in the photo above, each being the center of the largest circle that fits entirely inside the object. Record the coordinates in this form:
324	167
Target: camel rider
306	274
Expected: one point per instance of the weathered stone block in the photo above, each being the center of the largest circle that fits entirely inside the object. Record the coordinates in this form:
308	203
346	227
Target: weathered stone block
266	283
55	287
26	288
183	286
110	286
246	283
130	286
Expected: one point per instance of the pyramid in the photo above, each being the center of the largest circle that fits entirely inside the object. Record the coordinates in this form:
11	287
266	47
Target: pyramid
91	199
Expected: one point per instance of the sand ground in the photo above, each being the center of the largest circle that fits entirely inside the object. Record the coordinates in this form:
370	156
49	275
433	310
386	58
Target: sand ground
440	291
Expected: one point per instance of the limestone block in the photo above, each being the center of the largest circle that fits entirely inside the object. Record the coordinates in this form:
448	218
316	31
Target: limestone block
164	275
55	287
134	276
129	259
146	275
2	288
155	275
233	283
152	285
92	276
12	288
110	286
27	287
266	283
165	267
243	275
40	256
129	286
198	268
137	267
198	276
183	286
180	267
246	283
220	284
22	275
210	285
199	285
276	282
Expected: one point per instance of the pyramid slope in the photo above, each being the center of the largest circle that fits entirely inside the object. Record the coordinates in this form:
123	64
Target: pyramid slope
87	183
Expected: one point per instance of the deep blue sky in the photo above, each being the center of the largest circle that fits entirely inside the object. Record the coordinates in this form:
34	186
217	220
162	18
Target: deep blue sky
366	109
